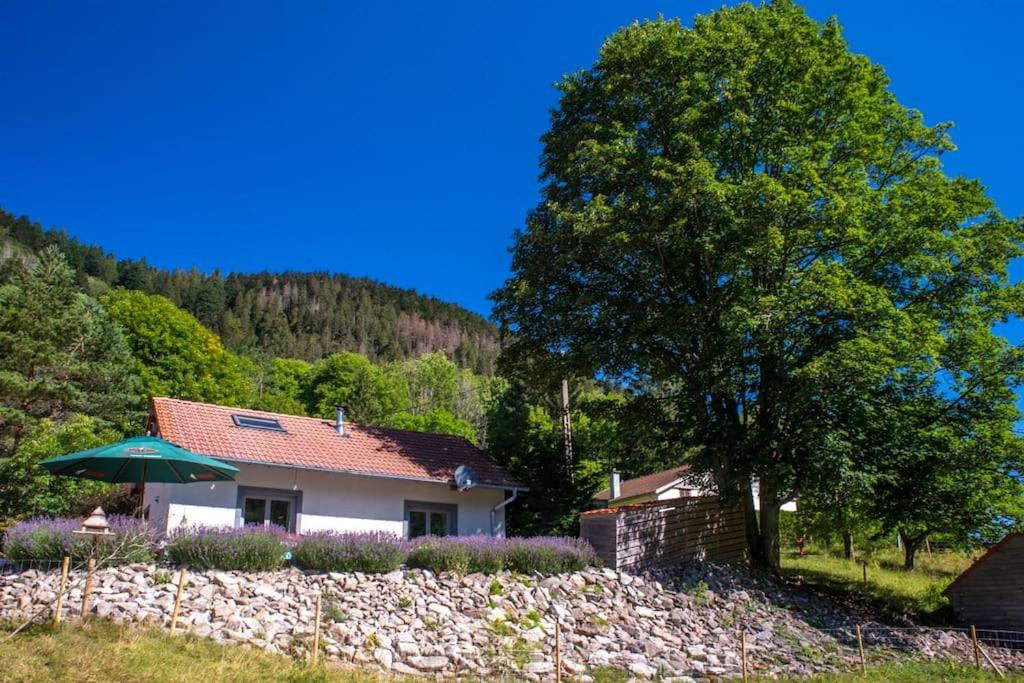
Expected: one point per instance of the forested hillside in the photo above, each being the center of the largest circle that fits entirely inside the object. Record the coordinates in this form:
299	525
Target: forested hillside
295	315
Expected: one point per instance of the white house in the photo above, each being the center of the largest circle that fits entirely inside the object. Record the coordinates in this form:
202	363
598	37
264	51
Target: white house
309	474
676	482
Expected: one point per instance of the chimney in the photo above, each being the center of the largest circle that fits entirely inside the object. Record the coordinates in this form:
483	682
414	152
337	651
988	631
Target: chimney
339	423
615	490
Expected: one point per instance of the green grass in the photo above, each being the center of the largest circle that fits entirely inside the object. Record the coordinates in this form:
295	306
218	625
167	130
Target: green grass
916	593
917	672
101	651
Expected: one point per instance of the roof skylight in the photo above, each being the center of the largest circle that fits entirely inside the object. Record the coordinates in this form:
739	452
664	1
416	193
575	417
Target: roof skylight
254	422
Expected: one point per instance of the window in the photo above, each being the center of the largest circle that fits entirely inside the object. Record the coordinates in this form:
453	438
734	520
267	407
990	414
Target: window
253	422
279	507
434	519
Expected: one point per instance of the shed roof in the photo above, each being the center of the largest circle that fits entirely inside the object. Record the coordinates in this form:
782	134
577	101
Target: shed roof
647	484
991	552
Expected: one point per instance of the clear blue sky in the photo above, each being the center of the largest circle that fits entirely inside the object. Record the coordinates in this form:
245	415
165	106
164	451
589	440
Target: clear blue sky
397	141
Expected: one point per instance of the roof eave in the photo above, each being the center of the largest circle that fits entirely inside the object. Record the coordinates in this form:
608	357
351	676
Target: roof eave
374	475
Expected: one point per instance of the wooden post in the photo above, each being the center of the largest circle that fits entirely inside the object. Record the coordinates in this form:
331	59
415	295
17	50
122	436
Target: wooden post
994	666
177	600
864	568
90	568
743	653
60	591
977	648
316	629
860	647
558	650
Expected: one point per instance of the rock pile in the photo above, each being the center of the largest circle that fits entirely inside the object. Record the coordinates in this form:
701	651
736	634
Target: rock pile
682	623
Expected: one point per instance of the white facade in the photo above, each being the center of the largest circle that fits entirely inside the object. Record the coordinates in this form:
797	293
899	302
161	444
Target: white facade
318	500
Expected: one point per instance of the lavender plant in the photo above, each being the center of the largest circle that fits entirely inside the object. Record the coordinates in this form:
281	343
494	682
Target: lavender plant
249	548
549	554
47	539
329	551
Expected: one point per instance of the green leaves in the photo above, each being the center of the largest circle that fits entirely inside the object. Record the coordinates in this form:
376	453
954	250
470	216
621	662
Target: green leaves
175	355
744	214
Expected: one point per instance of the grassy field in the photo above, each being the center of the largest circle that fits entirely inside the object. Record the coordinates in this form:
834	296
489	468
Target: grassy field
917	593
918	672
102	652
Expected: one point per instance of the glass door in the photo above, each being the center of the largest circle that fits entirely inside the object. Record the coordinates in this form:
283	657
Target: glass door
266	511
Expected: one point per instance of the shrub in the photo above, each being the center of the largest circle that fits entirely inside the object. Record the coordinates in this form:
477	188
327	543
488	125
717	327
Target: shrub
463	554
350	552
46	539
439	554
249	548
549	554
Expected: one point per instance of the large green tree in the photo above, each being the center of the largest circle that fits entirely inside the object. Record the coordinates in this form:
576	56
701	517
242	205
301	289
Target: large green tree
175	355
742	214
66	382
60	353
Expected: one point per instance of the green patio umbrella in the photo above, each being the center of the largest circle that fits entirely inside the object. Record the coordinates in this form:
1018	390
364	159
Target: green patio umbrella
139	460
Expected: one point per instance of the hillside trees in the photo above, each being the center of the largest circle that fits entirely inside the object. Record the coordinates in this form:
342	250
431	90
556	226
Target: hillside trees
743	214
174	354
66	379
294	315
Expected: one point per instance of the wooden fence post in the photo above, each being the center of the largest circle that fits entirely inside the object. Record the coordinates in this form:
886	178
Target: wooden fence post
63	587
177	600
860	647
316	629
743	653
90	568
977	648
558	650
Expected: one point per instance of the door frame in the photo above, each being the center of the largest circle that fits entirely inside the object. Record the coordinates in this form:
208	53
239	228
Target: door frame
294	497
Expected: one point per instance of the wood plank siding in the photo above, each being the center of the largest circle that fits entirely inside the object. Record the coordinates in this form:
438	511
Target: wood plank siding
990	593
680	530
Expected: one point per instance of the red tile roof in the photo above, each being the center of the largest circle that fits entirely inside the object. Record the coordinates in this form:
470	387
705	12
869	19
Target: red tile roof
649	483
313	443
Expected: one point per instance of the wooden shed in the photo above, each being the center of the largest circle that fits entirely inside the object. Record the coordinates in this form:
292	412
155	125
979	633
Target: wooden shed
990	593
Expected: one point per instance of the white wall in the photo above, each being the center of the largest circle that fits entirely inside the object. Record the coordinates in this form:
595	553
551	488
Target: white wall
329	501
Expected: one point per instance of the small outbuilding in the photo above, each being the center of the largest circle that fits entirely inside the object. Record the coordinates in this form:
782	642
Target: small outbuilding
990	593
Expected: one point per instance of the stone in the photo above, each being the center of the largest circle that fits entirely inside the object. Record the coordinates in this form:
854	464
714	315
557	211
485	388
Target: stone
428	663
384	657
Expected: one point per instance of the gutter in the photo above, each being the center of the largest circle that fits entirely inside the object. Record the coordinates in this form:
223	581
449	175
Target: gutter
499	506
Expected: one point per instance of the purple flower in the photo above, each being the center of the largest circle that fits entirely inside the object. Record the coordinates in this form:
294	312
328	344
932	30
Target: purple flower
46	539
331	551
249	548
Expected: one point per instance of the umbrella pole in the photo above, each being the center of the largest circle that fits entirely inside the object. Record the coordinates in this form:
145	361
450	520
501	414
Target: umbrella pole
142	491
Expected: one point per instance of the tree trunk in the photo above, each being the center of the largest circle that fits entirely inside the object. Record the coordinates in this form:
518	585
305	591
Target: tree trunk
770	526
770	536
910	546
751	528
848	544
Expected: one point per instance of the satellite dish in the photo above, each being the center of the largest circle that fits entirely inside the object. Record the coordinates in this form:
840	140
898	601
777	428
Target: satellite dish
465	478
